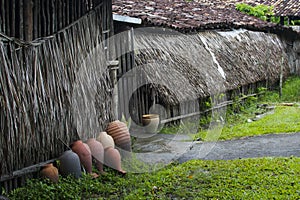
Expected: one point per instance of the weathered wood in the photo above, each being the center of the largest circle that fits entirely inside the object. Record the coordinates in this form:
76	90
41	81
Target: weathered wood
220	105
26	170
7	21
28	20
2	18
13	17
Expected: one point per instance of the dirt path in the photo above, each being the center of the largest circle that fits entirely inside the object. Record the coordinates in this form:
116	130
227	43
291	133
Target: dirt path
165	148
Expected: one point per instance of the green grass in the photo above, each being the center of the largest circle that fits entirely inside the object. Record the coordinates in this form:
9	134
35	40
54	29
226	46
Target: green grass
285	119
262	178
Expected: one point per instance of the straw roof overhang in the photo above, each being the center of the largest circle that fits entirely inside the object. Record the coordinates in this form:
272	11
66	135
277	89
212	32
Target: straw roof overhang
179	75
194	16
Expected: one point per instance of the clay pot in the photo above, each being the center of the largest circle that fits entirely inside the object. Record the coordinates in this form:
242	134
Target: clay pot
97	152
69	164
112	158
120	133
84	153
106	140
50	172
151	122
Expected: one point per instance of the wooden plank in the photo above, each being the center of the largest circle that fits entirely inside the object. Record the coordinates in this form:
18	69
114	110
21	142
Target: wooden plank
7	21
67	15
48	18
13	18
35	19
52	21
2	18
59	14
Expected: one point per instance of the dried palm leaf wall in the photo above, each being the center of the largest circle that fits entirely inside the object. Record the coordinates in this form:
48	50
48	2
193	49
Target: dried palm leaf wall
41	81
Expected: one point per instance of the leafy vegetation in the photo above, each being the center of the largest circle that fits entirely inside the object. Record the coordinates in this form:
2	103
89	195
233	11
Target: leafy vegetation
262	178
260	11
263	12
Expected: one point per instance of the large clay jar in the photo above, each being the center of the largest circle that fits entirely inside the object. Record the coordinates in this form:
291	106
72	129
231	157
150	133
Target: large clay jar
106	140
84	154
50	172
120	133
112	158
97	152
69	164
150	122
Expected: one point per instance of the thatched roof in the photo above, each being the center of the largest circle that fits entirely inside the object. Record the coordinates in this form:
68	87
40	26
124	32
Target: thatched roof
192	16
187	67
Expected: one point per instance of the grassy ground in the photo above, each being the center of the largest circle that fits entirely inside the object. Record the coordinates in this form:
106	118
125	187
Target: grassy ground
263	178
285	119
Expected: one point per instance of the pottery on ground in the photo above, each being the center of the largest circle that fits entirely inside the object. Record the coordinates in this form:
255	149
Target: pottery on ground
69	164
97	152
50	172
106	140
150	122
84	153
112	158
120	133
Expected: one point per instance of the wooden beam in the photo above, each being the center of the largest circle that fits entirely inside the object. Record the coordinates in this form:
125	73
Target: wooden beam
25	170
28	17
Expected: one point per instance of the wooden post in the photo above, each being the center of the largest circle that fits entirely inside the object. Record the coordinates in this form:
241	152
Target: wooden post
113	68
281	77
28	17
281	20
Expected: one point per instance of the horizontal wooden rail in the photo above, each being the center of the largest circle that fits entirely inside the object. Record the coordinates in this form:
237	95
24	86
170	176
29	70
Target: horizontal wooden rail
221	105
26	170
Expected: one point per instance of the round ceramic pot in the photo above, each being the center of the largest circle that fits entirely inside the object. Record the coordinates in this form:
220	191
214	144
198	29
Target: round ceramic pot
69	164
97	152
150	122
112	158
50	172
84	153
120	133
106	140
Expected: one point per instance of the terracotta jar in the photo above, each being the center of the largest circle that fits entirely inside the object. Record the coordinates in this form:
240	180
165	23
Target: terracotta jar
106	140
112	158
50	172
120	133
97	151
84	153
150	122
69	164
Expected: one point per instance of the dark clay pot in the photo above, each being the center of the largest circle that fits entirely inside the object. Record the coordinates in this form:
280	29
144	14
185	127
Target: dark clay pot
69	164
